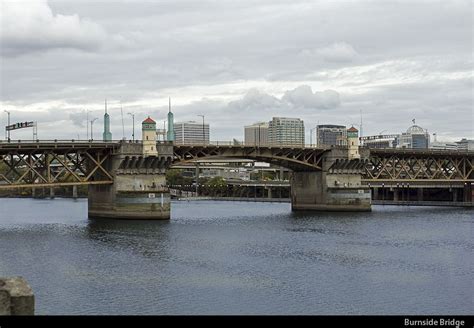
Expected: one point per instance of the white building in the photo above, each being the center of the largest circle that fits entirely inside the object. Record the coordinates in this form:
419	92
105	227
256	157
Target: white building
191	133
256	134
286	131
415	137
465	144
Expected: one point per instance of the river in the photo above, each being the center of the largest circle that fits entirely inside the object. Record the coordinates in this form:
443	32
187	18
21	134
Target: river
241	258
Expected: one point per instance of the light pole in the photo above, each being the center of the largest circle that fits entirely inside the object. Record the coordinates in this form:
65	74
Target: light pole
8	132
87	123
92	123
133	125
203	133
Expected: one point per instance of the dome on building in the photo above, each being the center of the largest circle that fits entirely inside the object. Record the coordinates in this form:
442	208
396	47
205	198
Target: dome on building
415	129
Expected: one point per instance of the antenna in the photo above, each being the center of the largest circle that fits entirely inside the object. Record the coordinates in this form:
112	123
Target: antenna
361	123
123	127
106	106
169	98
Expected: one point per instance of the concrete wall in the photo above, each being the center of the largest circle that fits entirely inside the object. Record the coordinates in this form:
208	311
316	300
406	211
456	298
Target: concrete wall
16	297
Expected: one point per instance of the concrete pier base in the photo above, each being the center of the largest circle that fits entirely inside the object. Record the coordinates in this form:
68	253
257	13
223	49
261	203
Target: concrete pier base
16	297
138	197
320	191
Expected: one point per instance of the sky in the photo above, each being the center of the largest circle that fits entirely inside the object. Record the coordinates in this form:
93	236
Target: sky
237	63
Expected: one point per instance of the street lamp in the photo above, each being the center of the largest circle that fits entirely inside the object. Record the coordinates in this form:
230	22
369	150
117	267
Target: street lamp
133	125
92	122
8	113
203	133
87	123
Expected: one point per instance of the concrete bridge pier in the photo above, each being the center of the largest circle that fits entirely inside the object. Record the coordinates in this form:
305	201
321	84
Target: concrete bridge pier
74	192
139	191
337	187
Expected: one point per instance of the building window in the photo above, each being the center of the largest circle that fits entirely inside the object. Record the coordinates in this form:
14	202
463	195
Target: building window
146	137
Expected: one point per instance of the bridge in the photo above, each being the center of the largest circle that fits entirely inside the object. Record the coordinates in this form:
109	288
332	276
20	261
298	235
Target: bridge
125	182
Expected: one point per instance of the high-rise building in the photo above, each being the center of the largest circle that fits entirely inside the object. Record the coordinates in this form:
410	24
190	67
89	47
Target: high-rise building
106	135
331	135
256	134
191	133
149	137
286	131
415	137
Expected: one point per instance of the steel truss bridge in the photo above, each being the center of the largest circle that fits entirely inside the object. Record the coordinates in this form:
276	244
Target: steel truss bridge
64	163
54	163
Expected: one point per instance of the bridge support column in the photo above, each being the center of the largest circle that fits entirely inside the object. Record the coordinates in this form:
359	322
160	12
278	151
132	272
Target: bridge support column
137	196
321	191
468	197
139	193
395	194
375	193
455	194
270	193
419	193
51	192
74	192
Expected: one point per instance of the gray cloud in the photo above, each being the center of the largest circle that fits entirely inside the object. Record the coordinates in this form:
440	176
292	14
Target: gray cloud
304	97
31	27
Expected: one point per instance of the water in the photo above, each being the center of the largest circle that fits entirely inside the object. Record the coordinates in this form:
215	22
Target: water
241	258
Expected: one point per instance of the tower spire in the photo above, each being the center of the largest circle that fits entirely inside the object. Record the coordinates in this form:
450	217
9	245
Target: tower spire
105	105
169	105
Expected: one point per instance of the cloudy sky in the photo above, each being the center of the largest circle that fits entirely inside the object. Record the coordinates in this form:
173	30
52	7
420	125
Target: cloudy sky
238	62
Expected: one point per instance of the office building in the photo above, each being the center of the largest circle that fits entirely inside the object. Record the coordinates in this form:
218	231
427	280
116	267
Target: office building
331	135
191	132
256	134
415	137
286	131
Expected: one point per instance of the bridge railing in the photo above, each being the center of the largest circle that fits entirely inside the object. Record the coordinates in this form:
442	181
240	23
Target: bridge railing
236	143
48	141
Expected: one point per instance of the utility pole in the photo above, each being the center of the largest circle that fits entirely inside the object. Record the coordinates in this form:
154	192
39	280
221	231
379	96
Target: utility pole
133	125
92	122
123	125
8	132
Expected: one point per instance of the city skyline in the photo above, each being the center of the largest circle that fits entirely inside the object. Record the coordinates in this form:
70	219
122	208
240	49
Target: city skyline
320	62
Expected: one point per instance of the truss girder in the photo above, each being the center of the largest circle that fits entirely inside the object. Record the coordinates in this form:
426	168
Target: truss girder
401	166
297	159
54	167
